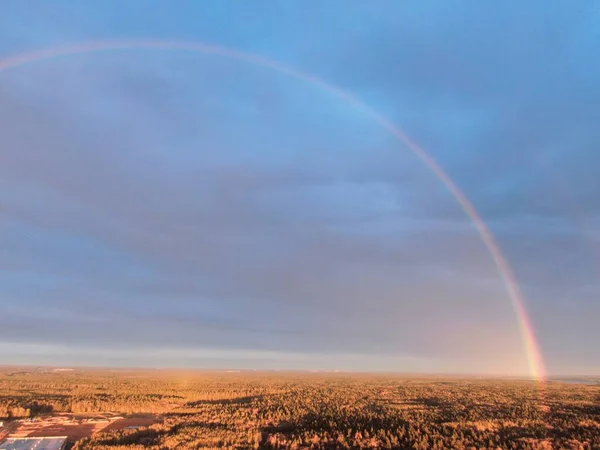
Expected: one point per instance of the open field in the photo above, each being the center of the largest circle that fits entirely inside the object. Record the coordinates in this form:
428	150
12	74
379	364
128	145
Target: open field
74	430
189	409
75	426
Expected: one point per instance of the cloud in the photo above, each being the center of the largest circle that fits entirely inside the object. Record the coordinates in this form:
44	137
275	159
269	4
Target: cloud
189	202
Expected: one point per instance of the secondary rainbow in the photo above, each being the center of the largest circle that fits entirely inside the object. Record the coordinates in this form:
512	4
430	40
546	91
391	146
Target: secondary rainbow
532	351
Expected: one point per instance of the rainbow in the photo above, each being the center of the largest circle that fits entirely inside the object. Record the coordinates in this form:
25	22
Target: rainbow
531	346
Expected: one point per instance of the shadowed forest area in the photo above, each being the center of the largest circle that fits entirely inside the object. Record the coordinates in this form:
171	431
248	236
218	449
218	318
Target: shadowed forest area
318	411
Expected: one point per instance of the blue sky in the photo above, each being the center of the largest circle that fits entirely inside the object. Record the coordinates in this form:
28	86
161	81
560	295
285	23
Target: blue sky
164	208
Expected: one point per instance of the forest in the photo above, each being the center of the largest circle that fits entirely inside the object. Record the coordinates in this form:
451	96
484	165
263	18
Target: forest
280	410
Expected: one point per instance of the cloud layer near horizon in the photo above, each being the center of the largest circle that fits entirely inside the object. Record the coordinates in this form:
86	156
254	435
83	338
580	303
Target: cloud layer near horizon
161	203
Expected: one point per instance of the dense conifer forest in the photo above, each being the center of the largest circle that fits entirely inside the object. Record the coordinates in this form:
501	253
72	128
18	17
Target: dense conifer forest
317	411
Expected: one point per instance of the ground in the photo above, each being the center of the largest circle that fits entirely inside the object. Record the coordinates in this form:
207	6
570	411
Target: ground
168	409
